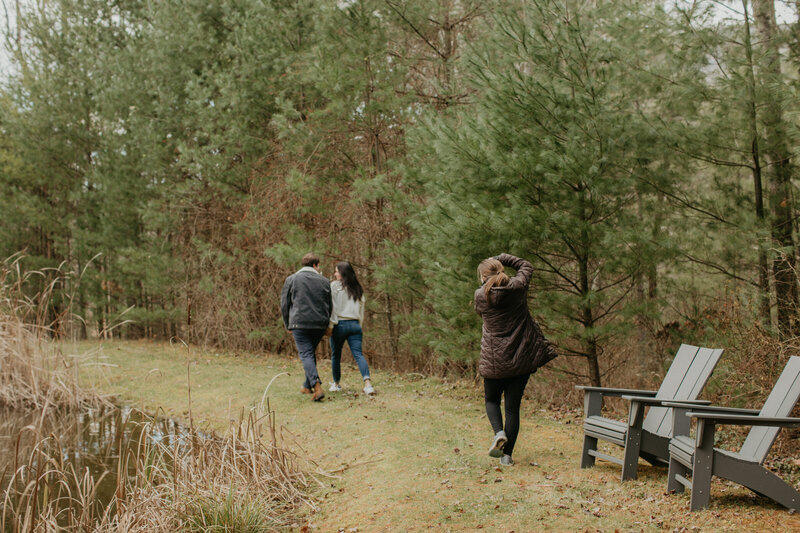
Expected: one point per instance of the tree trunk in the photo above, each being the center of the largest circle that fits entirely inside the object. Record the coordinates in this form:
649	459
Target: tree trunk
103	308
448	51
758	190
778	170
652	266
587	313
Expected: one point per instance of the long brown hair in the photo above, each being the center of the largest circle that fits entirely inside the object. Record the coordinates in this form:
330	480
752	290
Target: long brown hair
495	275
350	281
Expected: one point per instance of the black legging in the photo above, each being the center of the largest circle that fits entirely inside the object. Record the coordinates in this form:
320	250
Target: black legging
513	388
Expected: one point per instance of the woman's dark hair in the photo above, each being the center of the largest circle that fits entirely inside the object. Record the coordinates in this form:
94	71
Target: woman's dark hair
350	281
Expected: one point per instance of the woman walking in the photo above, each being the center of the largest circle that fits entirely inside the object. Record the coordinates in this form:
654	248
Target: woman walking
346	319
512	346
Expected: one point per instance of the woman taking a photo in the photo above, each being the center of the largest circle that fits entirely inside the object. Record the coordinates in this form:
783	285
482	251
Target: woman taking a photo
346	319
512	346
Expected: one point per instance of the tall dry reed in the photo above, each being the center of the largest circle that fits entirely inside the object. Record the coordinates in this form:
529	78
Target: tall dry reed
33	371
241	482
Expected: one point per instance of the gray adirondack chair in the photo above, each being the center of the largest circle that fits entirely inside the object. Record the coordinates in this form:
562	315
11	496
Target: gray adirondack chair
648	436
699	456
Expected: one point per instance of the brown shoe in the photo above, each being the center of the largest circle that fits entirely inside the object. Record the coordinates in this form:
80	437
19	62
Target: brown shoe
305	390
318	394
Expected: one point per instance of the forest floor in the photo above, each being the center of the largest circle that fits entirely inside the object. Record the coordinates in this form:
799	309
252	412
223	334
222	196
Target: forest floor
413	457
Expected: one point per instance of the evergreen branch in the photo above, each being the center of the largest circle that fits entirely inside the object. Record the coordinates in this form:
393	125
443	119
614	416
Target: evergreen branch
568	372
610	308
708	48
394	8
711	160
744	151
8	25
699	157
687	203
720	269
569	352
612	368
623	279
466	18
555	270
349	158
443	99
576	319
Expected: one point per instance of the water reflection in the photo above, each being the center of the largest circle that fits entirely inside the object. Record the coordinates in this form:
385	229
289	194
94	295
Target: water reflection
93	441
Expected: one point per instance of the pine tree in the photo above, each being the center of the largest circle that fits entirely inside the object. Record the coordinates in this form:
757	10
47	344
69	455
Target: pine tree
545	166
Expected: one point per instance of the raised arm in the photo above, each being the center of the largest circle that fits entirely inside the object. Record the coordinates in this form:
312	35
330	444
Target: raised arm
524	268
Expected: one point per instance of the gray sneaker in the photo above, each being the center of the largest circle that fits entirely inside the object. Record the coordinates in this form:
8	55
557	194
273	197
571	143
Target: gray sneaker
496	449
506	460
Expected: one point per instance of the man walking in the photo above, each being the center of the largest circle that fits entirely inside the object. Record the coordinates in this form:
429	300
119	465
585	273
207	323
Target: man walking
306	308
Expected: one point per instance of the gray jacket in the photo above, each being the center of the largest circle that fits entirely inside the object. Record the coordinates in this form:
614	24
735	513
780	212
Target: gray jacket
306	300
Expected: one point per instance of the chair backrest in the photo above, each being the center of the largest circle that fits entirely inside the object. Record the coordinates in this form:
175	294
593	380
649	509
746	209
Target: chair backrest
686	377
780	403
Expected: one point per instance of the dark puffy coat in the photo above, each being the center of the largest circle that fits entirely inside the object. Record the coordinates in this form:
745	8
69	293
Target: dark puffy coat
512	343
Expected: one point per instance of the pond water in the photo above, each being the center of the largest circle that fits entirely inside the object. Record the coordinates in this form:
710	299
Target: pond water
92	440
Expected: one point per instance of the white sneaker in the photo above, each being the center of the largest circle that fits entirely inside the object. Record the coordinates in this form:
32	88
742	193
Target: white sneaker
496	449
369	389
335	387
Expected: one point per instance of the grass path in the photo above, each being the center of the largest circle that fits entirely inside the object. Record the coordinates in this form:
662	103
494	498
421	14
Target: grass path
413	457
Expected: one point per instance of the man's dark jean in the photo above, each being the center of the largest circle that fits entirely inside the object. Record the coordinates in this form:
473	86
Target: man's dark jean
306	341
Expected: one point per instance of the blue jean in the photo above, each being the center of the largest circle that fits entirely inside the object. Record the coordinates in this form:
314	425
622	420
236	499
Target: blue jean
350	331
306	341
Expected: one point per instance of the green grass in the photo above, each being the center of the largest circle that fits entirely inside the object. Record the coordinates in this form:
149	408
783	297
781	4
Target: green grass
413	458
225	514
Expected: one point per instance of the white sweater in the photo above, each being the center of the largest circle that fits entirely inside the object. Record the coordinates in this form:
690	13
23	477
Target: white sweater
344	307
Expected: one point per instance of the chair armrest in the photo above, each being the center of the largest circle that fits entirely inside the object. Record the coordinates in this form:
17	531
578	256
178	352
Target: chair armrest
638	403
607	391
691	404
593	397
745	420
712	408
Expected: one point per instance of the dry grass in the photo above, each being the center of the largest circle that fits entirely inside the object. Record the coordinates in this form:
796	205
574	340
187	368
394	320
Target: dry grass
413	457
240	482
202	482
33	372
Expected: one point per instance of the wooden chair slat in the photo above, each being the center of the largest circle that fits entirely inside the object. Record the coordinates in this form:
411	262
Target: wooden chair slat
779	403
700	458
647	437
695	374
